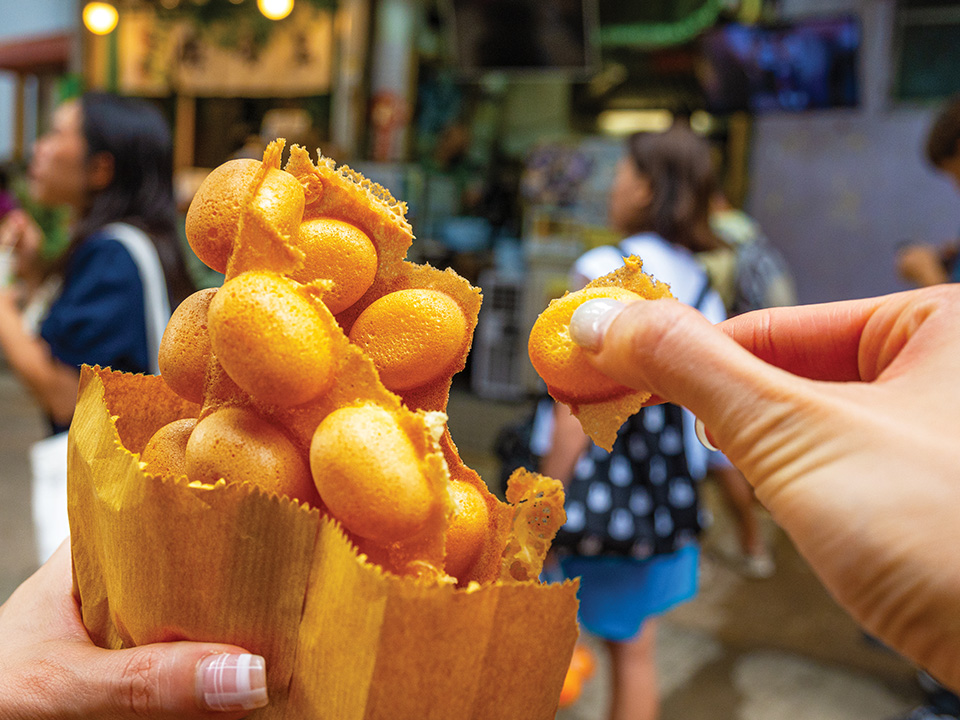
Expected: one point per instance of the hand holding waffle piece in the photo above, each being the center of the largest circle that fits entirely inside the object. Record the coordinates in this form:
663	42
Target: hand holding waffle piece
601	404
843	418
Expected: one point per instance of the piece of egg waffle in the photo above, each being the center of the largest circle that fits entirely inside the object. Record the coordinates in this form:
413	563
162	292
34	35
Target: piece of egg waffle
602	405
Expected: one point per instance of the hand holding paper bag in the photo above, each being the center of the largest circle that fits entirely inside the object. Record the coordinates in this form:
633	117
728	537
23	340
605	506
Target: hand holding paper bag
391	583
49	667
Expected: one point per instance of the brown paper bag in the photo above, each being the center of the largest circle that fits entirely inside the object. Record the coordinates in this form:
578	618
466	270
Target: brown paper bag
156	559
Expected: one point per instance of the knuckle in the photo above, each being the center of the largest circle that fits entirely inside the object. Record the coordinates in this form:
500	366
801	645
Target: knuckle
139	683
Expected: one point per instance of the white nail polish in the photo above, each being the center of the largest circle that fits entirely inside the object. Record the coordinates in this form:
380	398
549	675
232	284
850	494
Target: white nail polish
702	435
590	320
232	682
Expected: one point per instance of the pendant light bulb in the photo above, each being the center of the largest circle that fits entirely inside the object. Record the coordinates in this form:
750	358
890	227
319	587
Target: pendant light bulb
275	9
100	18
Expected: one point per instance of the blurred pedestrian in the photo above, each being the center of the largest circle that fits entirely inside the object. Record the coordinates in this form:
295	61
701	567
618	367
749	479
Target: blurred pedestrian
632	514
107	298
752	274
8	200
8	203
921	264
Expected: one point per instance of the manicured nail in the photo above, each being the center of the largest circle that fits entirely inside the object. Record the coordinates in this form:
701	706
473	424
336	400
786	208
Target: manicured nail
232	682
702	435
590	321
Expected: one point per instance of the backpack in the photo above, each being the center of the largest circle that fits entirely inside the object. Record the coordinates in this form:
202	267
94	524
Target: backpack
762	278
637	500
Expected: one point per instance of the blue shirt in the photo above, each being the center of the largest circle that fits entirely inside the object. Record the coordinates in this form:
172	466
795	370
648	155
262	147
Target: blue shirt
98	317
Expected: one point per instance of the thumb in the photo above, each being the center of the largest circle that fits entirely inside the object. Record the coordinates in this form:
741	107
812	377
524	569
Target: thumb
673	352
171	680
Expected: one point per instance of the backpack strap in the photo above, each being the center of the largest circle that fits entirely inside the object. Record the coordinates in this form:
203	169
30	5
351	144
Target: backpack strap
702	295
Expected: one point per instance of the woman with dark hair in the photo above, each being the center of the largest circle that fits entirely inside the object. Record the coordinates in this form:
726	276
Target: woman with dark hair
924	264
107	298
108	159
632	513
133	136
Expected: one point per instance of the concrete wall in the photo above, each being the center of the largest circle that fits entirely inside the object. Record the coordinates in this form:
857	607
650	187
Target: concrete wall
22	19
837	190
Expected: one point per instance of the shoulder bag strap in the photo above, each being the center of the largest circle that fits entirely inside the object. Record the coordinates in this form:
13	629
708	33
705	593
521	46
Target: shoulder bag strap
155	302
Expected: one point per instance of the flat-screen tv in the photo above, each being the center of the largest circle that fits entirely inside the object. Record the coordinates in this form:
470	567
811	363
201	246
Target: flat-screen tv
804	65
523	36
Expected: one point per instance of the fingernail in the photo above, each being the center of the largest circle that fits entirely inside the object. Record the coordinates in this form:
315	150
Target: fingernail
702	435
590	321
232	682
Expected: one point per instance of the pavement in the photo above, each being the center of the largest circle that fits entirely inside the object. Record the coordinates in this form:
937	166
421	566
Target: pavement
774	649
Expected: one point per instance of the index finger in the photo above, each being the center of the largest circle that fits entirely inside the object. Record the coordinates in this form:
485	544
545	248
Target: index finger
819	342
674	353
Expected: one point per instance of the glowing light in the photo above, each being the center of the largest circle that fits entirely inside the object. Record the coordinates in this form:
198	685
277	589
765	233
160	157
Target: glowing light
702	122
275	9
100	18
624	122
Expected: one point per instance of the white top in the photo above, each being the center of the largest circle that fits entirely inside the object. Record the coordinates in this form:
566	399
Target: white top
676	266
668	263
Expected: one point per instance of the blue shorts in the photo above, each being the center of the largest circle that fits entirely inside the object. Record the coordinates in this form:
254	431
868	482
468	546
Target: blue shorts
618	593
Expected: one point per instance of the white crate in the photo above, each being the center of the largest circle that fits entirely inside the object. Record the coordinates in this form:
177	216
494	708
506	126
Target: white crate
499	356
